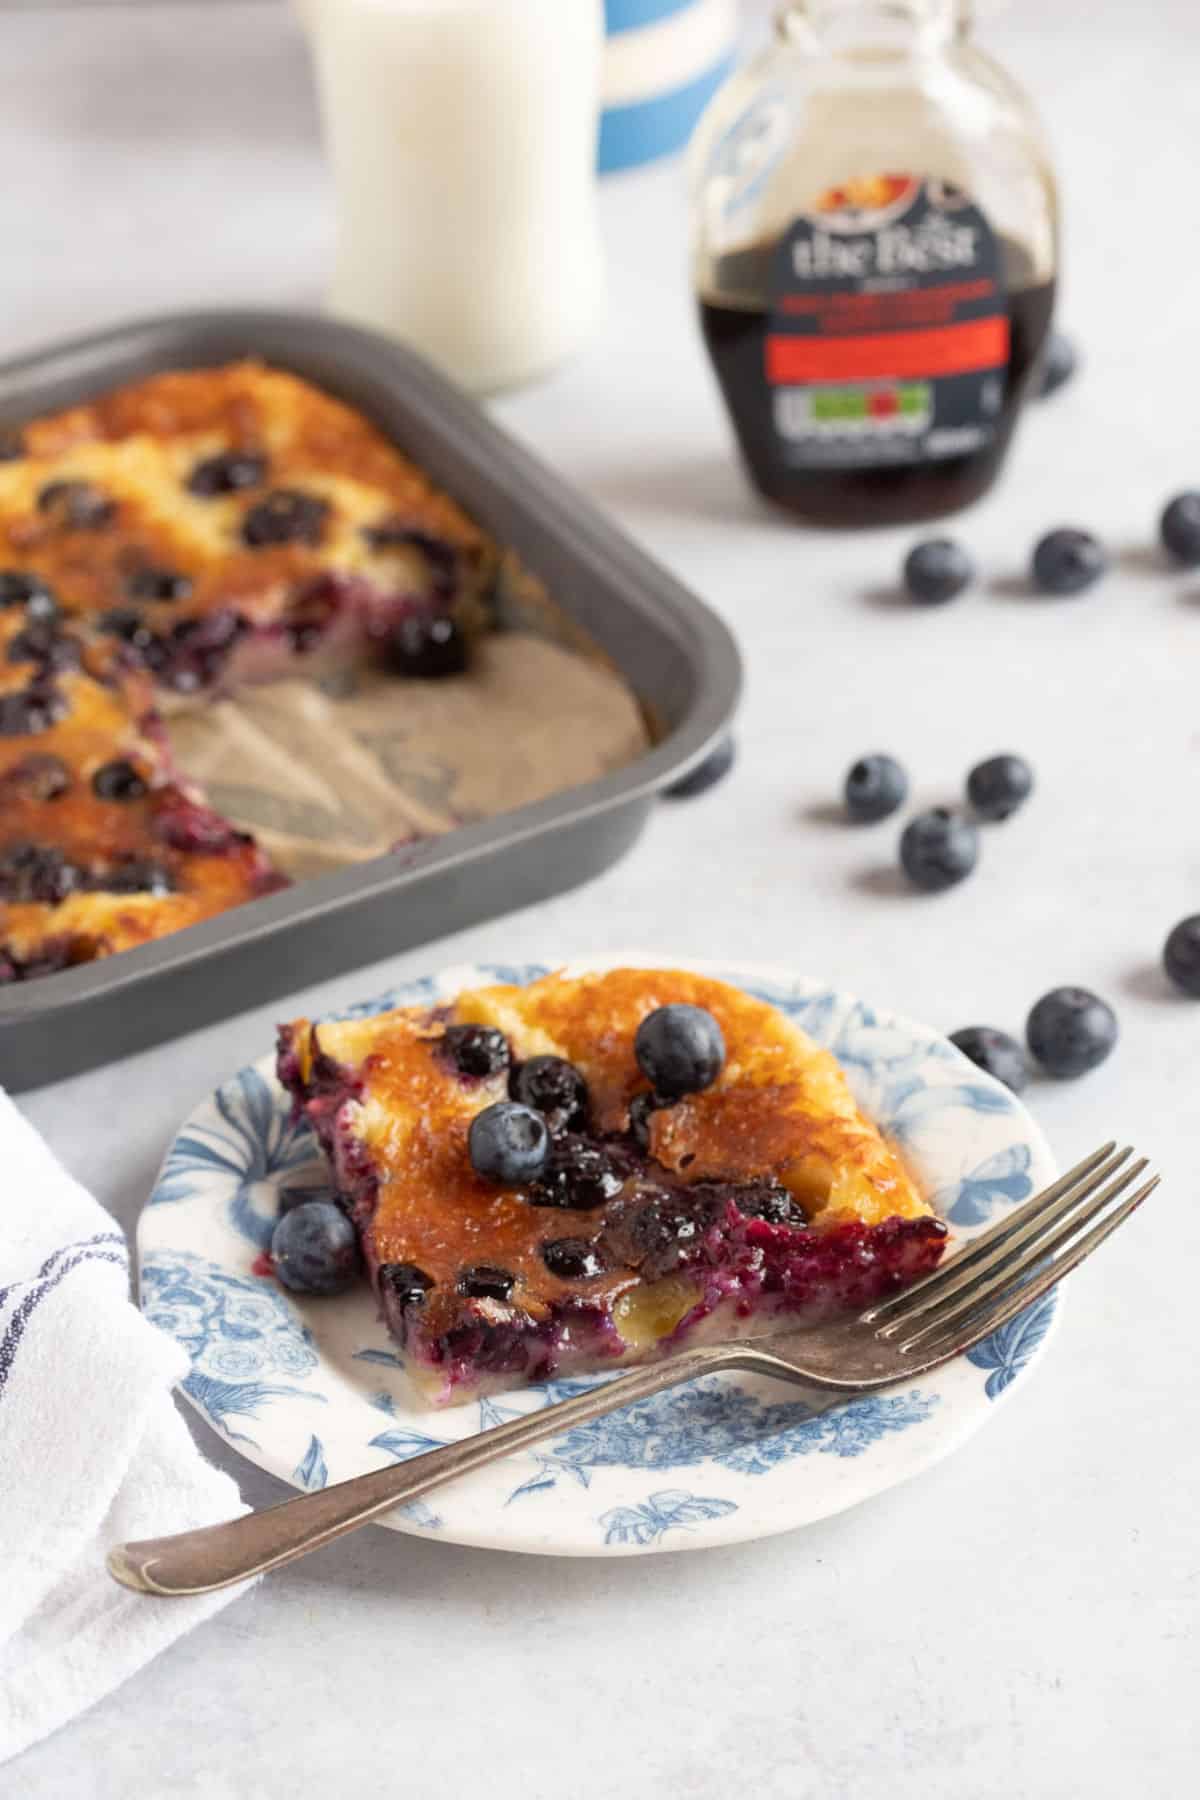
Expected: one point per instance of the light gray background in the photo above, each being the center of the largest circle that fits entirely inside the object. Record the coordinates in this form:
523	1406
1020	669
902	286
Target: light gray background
1021	1621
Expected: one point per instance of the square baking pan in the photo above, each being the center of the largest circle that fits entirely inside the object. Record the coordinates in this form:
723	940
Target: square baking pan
676	656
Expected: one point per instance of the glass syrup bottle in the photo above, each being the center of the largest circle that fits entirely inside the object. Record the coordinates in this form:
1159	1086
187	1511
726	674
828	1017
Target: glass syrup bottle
875	246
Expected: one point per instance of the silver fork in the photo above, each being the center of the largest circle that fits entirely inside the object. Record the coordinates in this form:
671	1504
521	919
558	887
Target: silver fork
996	1276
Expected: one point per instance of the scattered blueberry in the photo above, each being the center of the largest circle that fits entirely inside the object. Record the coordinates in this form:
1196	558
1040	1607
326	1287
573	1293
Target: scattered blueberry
37	874
767	1200
427	646
680	1050
477	1050
30	710
39	776
715	766
1181	955
875	786
484	1282
666	1229
76	506
1068	562
581	1176
134	875
20	588
1059	362
41	642
397	533
406	1282
936	571
509	1143
124	623
938	849
572	1259
997	787
150	583
552	1086
228	473
314	1249
285	516
119	780
1179	528
995	1053
640	1109
1071	1031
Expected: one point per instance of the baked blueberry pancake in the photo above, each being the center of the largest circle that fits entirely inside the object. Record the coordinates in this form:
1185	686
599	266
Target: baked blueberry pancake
102	844
584	1172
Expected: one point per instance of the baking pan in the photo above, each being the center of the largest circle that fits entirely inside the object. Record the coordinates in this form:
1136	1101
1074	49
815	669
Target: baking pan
674	653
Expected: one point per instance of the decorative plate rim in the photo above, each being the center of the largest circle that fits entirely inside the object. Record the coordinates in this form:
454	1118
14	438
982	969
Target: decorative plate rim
737	1436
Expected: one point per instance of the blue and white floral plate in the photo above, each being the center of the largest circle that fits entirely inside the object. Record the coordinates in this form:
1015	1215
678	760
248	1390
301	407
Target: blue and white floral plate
313	1390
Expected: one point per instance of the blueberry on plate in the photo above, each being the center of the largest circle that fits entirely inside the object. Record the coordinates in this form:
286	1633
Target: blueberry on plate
476	1050
1070	1031
580	1175
1060	359
285	516
427	647
936	571
572	1259
640	1109
314	1249
995	1053
1179	528
1181	955
508	1143
1068	562
680	1050
715	766
997	787
875	787
938	849
552	1086
119	780
484	1282
406	1283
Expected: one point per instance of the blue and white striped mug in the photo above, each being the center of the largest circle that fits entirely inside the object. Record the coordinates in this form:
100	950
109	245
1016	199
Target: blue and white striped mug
665	60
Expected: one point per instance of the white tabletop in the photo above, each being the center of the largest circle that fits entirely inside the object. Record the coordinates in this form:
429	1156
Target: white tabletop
1024	1616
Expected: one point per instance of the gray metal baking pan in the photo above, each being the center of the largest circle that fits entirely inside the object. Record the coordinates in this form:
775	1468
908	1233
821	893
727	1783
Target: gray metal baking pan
676	655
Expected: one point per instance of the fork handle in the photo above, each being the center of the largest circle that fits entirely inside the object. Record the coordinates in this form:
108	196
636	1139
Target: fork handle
217	1556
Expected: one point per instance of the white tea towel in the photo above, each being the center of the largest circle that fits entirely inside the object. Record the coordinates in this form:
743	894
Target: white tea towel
92	1450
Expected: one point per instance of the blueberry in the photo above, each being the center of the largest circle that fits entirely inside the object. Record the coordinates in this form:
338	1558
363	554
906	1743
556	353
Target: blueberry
315	1249
76	506
149	583
119	780
44	644
680	1050
37	874
938	849
30	710
483	1281
640	1109
715	766
997	787
20	588
580	1176
572	1259
427	647
1071	1031
397	533
285	516
665	1229
995	1053
875	786
476	1050
407	1284
228	473
767	1200
1068	562
509	1143
936	571
124	623
39	776
553	1087
1181	955
1059	362
134	875
1179	528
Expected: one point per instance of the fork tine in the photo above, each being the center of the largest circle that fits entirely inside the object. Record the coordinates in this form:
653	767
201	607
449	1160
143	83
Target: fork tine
1011	1301
1042	1243
1100	1164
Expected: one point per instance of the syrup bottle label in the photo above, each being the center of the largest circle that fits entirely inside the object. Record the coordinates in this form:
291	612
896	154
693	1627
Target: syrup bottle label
888	338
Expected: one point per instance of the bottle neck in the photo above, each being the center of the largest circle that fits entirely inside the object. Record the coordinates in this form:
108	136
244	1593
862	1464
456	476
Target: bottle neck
872	27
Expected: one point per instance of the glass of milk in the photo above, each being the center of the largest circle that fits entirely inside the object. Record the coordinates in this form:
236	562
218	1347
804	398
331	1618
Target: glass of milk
463	140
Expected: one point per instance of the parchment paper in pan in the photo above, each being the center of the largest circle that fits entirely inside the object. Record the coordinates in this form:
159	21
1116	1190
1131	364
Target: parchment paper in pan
332	772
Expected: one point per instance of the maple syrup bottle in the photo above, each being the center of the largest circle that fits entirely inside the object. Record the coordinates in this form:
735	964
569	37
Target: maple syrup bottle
875	250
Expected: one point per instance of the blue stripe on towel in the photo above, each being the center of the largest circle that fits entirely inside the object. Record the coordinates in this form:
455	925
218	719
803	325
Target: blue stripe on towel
636	134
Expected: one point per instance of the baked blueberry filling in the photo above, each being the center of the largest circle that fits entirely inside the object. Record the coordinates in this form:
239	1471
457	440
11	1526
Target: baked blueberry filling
228	473
476	1050
285	516
76	506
